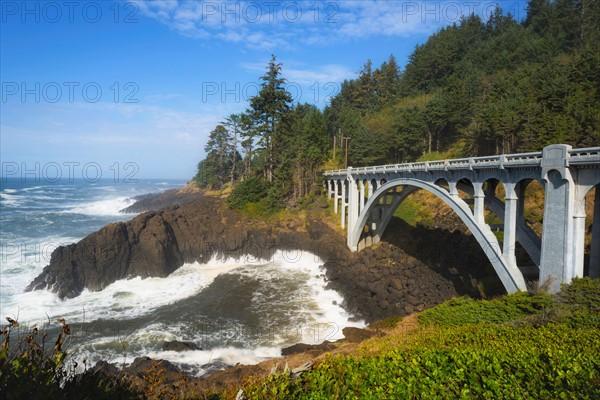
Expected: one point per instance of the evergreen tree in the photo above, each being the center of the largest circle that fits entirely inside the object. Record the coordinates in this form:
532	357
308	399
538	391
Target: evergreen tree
387	83
268	112
221	156
233	123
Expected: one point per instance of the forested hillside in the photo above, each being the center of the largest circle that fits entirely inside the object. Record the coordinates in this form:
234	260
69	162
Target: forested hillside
474	88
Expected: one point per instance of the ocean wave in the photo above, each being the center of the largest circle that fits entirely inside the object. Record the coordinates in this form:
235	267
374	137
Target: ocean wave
104	207
200	362
123	299
11	200
27	189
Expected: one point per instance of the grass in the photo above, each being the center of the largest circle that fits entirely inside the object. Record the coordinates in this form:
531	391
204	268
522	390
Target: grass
413	212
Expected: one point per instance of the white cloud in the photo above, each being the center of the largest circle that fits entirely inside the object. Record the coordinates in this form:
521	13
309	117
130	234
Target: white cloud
298	72
323	75
287	24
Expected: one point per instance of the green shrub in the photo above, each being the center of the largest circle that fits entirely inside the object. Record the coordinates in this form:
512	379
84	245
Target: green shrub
579	303
251	190
32	366
582	292
465	311
27	359
458	362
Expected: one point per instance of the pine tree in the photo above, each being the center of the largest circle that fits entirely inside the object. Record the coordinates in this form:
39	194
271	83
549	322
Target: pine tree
268	111
234	126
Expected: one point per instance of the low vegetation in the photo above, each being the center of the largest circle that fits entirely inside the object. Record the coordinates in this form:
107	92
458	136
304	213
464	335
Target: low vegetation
33	365
518	346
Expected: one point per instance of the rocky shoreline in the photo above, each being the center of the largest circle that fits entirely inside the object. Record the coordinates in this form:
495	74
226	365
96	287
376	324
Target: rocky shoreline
156	201
378	282
141	374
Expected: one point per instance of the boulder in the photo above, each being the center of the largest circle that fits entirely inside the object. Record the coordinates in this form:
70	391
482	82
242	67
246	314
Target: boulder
144	366
357	335
313	349
176	345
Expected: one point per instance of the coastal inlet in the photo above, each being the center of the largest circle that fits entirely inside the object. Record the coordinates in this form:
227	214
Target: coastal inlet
239	309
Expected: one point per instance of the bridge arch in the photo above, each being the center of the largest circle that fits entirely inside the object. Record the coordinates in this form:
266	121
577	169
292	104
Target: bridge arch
509	274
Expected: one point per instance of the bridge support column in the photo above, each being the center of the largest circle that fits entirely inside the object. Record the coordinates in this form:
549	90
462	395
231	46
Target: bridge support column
336	195
361	196
557	262
520	190
353	204
370	189
478	202
344	204
510	223
594	271
578	237
453	191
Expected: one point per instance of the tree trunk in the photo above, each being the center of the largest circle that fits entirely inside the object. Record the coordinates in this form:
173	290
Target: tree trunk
233	157
429	141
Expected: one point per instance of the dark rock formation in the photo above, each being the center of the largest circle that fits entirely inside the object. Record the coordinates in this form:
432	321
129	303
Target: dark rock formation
155	201
143	367
176	345
158	242
309	349
357	335
383	281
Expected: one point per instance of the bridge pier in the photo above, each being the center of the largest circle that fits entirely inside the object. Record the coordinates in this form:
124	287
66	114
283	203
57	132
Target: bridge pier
578	237
353	199
557	258
453	190
478	202
510	224
361	196
344	203
336	197
594	271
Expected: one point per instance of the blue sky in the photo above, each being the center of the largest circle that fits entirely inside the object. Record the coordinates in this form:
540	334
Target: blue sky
109	83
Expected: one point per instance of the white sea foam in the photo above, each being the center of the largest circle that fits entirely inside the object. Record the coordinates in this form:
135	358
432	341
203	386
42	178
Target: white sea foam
197	360
104	207
21	260
10	199
123	299
33	188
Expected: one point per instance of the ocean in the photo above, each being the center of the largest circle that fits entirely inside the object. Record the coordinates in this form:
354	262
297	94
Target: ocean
235	310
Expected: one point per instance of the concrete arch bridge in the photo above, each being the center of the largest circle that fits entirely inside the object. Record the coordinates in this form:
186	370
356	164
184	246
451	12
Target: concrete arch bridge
366	198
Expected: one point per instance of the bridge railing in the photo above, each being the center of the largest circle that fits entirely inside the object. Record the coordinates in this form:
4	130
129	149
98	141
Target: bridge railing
584	156
576	156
